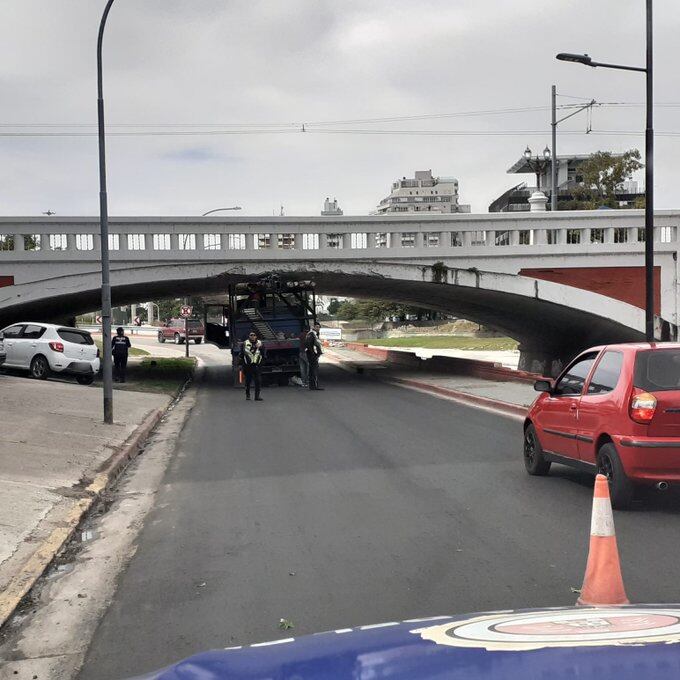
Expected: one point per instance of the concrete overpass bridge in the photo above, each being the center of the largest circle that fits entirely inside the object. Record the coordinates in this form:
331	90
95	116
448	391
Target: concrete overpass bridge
555	282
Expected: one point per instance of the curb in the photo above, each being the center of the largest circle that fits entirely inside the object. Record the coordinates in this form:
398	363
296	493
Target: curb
35	566
465	397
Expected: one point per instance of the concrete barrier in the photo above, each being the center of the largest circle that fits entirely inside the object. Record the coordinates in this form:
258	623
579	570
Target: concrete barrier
440	364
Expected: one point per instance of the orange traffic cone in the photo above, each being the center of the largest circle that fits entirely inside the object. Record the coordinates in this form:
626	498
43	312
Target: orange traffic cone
603	583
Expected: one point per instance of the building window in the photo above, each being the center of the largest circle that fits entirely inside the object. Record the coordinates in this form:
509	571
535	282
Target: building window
136	242
114	241
478	238
573	236
212	241
620	235
32	242
262	241
552	236
285	241
84	242
641	236
6	242
597	235
187	241
310	241
58	242
431	239
334	241
525	237
358	241
502	238
666	234
408	239
382	240
161	241
236	241
456	239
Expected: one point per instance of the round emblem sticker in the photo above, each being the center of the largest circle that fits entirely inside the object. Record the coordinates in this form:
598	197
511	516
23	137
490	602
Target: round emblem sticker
516	631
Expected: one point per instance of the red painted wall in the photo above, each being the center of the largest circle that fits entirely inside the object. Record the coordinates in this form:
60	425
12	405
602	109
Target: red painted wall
6	281
621	283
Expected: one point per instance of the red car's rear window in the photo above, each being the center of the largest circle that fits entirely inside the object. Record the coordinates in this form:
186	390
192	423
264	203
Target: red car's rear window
657	370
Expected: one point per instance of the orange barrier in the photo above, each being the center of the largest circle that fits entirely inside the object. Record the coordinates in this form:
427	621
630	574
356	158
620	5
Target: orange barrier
603	583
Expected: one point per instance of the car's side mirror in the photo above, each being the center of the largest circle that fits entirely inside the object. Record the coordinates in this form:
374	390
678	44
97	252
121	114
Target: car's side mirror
543	386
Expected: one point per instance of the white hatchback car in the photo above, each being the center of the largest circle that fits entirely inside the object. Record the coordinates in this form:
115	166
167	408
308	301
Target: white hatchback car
44	348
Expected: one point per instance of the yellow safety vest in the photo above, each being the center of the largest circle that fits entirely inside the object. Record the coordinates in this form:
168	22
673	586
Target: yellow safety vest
254	356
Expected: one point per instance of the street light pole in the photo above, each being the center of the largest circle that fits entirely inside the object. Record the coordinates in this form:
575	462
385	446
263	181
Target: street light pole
104	231
649	186
553	165
649	163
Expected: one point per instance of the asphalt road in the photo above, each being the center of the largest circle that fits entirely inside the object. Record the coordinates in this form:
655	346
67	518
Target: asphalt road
360	504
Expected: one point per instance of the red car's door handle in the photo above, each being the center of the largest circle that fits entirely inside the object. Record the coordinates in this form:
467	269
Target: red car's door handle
573	407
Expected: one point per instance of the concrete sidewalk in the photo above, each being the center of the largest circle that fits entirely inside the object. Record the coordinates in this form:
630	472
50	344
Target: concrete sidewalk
52	445
518	395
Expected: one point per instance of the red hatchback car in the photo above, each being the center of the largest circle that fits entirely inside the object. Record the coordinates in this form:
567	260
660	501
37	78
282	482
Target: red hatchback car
614	410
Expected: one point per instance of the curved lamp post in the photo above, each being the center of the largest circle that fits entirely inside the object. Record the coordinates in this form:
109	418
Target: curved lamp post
104	231
210	212
649	162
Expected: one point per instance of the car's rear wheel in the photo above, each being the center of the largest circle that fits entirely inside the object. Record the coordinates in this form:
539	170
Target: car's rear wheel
85	379
621	489
177	338
161	337
534	461
40	368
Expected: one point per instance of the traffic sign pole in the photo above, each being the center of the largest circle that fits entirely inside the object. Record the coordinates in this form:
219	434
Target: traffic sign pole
186	336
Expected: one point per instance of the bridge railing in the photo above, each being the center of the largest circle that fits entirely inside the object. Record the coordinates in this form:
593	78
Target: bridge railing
494	232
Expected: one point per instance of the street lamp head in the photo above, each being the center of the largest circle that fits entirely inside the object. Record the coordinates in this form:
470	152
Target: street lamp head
527	153
546	153
577	58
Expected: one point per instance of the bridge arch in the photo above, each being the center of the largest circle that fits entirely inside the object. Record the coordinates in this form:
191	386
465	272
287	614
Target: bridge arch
551	321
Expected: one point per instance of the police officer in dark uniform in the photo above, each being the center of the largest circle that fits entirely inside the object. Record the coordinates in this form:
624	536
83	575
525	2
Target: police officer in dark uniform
120	346
314	351
252	354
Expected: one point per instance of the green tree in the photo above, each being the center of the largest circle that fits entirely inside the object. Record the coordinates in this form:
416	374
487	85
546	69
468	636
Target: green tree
601	174
333	306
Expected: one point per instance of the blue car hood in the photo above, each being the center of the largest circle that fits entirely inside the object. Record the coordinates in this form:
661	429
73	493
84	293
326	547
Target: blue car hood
610	643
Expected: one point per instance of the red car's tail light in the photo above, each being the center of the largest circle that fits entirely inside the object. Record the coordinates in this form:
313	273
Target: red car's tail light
642	406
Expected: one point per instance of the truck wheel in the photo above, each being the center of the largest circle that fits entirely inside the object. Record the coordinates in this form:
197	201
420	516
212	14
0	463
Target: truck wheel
621	488
198	340
534	462
177	338
161	337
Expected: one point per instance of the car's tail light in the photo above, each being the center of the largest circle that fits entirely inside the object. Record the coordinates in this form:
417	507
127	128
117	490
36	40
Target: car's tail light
57	346
642	406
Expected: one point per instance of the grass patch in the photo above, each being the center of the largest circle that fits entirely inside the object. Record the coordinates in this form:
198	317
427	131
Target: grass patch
160	375
133	352
447	342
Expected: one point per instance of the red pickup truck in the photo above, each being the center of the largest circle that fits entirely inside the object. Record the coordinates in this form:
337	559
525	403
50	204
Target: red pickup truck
174	330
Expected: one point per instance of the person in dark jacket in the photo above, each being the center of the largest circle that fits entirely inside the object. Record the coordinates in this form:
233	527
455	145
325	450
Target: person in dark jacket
251	357
120	346
314	351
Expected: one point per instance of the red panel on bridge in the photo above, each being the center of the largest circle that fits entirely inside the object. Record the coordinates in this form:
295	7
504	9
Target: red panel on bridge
6	281
621	283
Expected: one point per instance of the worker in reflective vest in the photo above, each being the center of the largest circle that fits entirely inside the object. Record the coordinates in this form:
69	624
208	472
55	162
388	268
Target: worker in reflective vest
252	354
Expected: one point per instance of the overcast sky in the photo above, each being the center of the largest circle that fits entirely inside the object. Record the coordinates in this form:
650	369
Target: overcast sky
177	65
